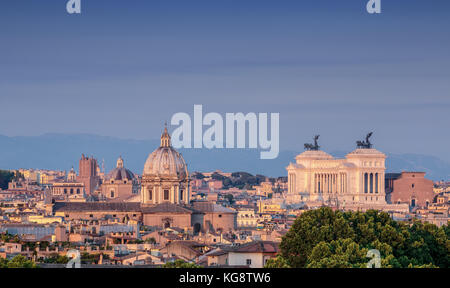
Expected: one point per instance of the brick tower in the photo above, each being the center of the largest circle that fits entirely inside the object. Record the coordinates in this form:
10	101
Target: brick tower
88	174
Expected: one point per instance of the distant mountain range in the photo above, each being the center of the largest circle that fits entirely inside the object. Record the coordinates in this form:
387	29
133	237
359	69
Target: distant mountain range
62	151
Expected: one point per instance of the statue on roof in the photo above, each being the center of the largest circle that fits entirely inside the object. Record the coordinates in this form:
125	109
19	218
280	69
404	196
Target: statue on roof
365	144
313	147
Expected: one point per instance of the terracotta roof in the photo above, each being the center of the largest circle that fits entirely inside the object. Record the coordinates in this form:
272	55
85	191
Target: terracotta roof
96	206
211	207
190	245
198	207
166	208
257	247
216	252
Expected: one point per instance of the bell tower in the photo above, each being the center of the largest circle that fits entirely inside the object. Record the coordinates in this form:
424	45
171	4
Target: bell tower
88	173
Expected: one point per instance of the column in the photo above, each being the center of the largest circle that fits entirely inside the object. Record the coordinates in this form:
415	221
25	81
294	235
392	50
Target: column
329	183
320	183
345	183
365	184
334	183
315	183
377	183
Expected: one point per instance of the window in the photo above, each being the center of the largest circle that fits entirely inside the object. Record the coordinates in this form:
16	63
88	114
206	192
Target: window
71	190
166	194
181	194
78	191
412	185
150	194
91	215
112	193
249	261
65	191
220	215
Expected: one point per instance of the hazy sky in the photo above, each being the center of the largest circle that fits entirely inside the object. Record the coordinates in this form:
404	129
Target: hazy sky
328	67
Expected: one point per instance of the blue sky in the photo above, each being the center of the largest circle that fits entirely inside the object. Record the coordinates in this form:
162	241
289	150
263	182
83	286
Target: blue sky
122	68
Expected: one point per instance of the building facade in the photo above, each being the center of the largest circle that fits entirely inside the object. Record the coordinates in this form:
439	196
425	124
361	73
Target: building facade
411	188
120	184
164	198
318	176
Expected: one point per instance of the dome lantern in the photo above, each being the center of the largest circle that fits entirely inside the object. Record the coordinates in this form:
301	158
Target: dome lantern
119	162
165	137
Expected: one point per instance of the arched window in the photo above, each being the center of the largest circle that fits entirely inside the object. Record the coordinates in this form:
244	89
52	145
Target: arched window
71	190
166	194
112	193
65	191
78	190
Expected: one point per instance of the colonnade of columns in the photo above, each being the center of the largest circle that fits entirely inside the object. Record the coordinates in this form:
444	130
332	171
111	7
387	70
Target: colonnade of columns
292	179
330	183
372	182
157	194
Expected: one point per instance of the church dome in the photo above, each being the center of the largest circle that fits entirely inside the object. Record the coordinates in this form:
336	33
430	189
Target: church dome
120	173
165	161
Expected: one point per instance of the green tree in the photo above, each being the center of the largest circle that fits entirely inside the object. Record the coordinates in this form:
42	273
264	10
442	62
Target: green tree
341	253
56	258
278	262
20	261
327	238
230	198
308	230
3	263
5	178
151	240
180	264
